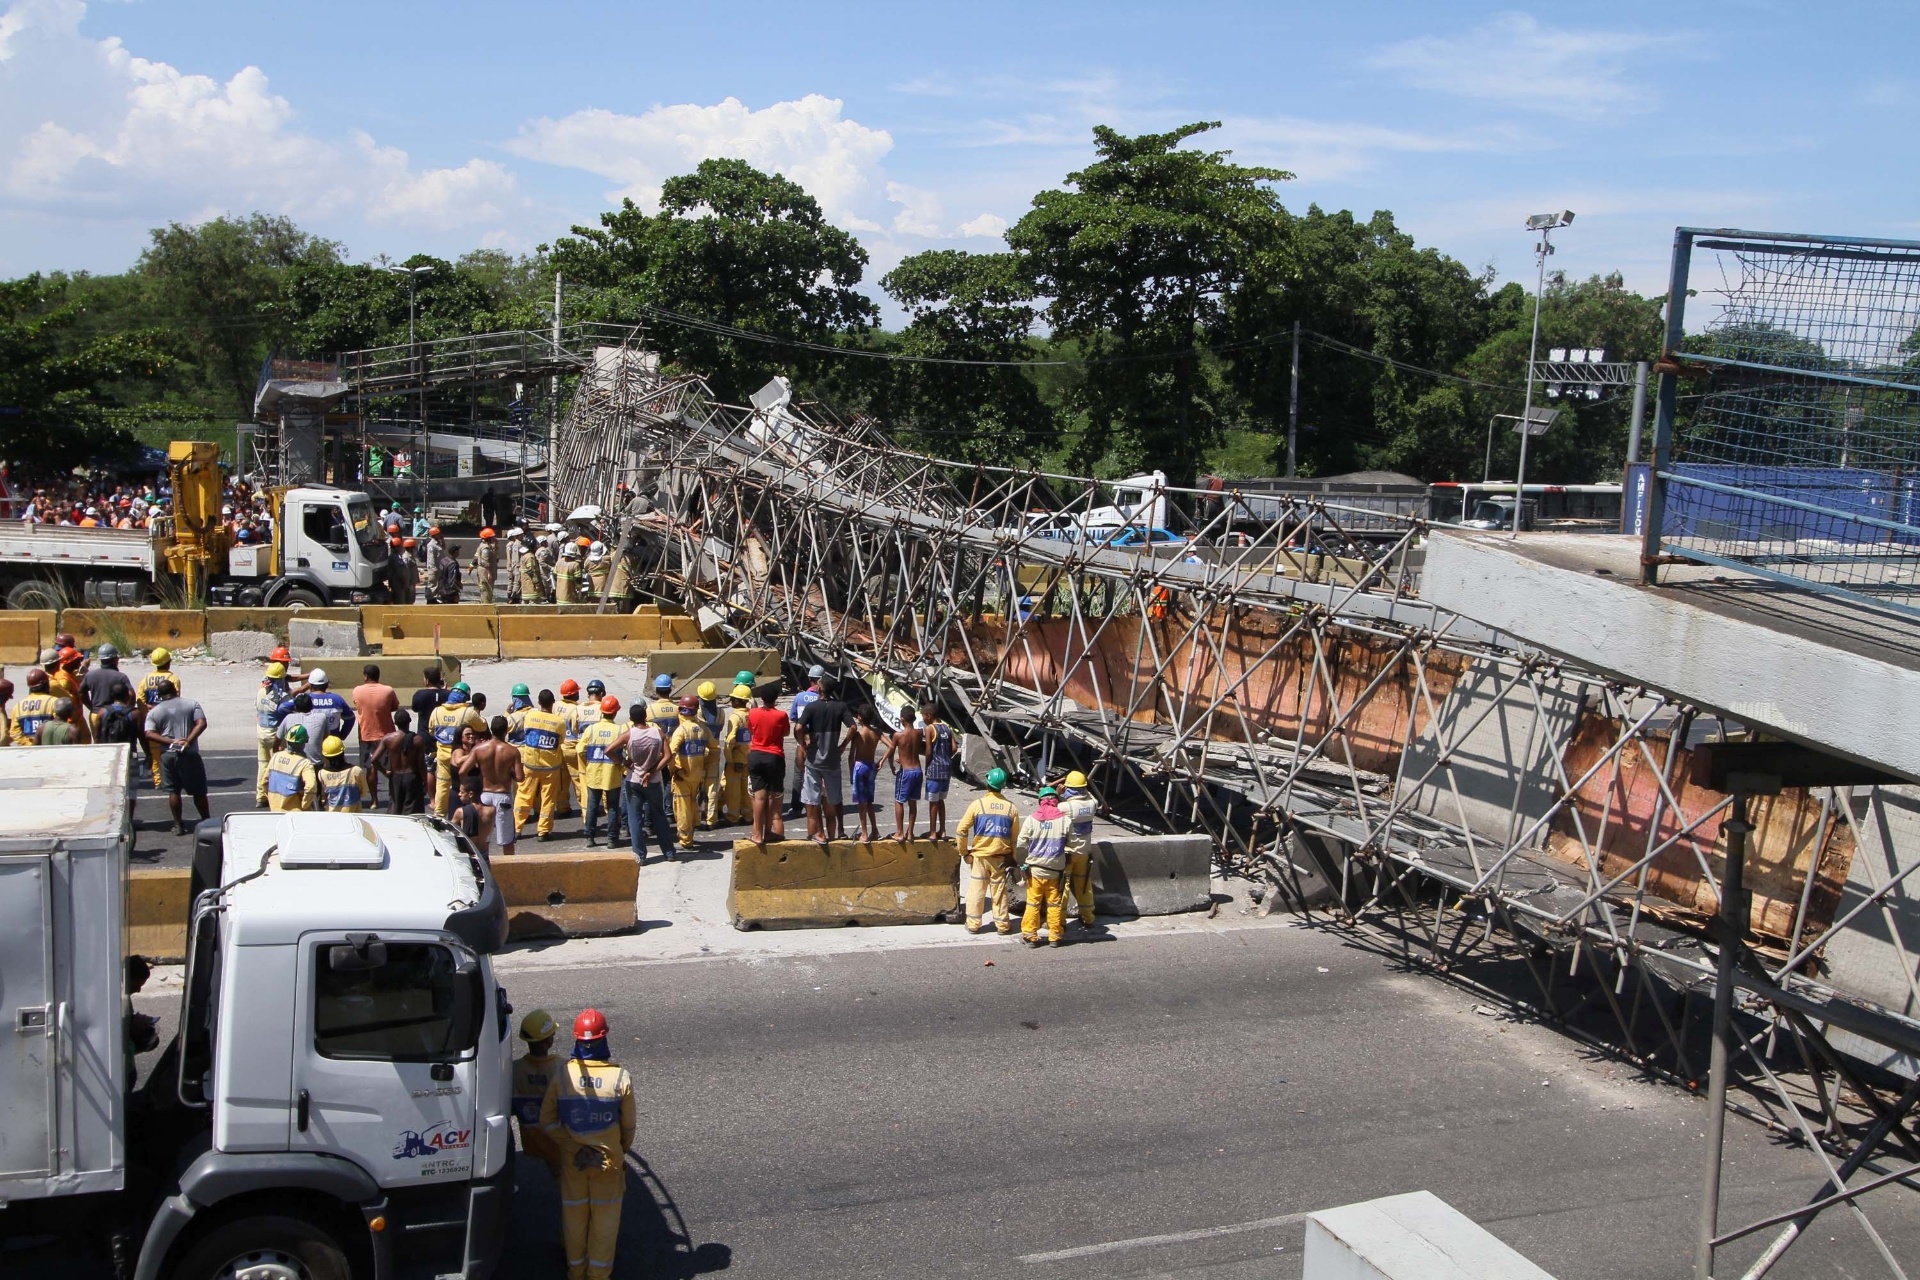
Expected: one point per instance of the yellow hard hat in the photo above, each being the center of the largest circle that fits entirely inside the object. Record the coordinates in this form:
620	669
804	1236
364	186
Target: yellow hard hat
1076	779
333	746
741	692
276	669
707	690
538	1026
160	657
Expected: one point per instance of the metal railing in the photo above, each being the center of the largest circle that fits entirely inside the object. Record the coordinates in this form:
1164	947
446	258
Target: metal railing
1799	462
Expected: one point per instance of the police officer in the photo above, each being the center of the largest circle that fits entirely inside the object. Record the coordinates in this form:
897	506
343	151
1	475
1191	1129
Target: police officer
1079	808
444	727
544	769
689	755
342	787
1043	842
986	849
532	1073
588	1112
291	780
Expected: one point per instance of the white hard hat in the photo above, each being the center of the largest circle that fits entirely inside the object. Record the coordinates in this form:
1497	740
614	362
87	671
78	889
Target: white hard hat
598	548
317	678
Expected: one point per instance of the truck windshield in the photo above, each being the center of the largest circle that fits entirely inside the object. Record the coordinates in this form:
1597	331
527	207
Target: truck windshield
366	530
406	1010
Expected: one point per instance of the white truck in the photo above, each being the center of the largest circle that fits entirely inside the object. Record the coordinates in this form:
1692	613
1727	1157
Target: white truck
335	1103
331	551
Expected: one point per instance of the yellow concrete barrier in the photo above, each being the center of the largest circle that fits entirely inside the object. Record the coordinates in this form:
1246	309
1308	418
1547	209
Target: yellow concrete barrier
20	637
468	631
403	673
140	628
568	894
157	912
578	635
273	621
795	884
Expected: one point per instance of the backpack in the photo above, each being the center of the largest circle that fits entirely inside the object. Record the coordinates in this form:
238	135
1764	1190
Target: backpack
116	725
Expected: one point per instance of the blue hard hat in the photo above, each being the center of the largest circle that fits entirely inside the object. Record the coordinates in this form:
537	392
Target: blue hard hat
456	697
663	682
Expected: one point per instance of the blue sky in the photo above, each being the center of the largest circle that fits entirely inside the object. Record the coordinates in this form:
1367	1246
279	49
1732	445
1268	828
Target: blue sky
413	126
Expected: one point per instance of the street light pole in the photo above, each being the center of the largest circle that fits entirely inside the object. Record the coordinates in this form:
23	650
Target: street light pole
1544	223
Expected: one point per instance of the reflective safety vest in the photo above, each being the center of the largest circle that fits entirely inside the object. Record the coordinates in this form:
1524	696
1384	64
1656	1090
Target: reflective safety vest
596	764
531	1076
342	790
738	736
590	1104
290	781
665	715
691	742
29	714
1079	810
1044	841
266	707
570	712
990	822
153	684
445	724
541	733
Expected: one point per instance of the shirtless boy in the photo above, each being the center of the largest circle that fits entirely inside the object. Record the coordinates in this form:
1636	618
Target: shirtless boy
862	741
400	759
500	773
904	750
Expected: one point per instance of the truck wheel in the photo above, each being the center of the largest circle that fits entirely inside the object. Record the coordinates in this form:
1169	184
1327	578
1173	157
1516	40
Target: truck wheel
34	595
268	1247
299	598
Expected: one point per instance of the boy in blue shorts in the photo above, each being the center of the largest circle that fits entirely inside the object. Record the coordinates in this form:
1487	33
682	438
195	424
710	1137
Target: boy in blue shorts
939	754
861	744
904	750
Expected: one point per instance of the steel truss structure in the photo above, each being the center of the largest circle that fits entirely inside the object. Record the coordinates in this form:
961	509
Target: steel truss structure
1490	813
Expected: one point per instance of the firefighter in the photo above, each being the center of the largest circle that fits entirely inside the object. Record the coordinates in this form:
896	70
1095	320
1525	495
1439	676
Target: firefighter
532	1073
598	567
151	695
34	710
1079	808
545	769
532	579
570	710
566	572
342	787
444	727
689	753
291	781
274	690
588	1112
986	849
1043	844
486	565
736	740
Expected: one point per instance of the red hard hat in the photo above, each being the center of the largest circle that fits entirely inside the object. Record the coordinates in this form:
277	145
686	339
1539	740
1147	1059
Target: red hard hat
590	1025
568	688
69	654
689	705
36	679
280	655
609	705
434	532
486	533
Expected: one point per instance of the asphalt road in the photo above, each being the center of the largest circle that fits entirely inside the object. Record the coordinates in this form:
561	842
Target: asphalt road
1158	1106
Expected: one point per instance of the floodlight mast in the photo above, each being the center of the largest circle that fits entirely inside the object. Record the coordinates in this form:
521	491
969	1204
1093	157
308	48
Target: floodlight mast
1544	223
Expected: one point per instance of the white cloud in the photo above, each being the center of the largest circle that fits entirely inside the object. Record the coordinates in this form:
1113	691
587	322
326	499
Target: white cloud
1326	150
990	225
1516	60
87	126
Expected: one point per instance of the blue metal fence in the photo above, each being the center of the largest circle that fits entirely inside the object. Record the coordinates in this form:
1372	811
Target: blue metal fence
1795	452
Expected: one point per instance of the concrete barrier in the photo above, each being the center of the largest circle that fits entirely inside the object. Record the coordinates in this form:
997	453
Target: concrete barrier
272	621
20	637
689	667
1152	875
578	635
468	631
568	894
157	912
140	628
404	675
795	884
1416	1236
46	624
319	638
241	646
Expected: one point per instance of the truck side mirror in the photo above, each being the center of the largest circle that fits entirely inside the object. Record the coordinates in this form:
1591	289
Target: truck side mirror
362	952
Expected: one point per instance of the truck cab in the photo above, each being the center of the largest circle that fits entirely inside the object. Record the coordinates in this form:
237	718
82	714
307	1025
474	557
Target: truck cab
331	550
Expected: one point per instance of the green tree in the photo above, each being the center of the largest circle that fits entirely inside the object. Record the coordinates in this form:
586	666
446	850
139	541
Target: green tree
219	285
331	307
55	379
968	307
1139	259
732	247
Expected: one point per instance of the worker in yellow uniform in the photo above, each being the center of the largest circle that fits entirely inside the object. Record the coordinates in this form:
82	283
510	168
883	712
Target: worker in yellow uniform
32	711
583	719
444	727
342	787
152	694
1042	844
689	755
601	772
662	710
542	731
291	780
532	1073
588	1112
274	690
569	710
735	740
986	834
1079	808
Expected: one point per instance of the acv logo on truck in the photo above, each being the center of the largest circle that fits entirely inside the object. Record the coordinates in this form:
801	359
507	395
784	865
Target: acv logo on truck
438	1140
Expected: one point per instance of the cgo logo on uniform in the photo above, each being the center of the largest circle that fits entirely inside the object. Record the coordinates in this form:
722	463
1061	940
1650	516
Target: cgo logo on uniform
437	1140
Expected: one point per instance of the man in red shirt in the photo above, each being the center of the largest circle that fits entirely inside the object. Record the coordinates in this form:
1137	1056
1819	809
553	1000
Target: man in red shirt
373	707
767	727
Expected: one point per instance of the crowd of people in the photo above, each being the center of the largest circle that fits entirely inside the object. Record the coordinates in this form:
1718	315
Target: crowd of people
124	504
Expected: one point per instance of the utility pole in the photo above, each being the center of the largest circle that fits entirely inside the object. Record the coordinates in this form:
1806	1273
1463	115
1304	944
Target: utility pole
1293	408
1544	223
1639	412
553	399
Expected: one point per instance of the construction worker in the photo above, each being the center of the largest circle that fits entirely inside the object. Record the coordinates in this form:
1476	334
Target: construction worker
570	710
1079	808
663	711
736	740
34	710
342	787
486	565
64	680
986	835
274	690
519	702
444	727
588	1112
291	779
714	716
541	733
532	1073
600	771
1043	845
151	693
689	755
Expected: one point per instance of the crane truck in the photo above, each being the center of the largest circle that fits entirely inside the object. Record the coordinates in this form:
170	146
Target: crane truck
327	549
334	1105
